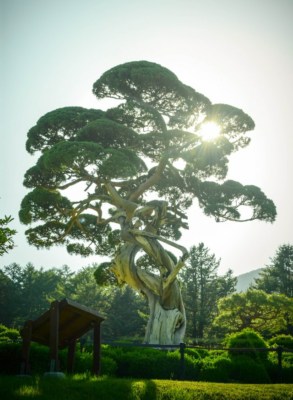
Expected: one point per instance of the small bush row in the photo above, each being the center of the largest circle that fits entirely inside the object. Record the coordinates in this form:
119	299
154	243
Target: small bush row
229	365
145	363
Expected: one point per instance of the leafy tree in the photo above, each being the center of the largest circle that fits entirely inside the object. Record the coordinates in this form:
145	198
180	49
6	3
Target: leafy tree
125	315
85	290
6	235
255	309
131	194
9	299
278	276
202	288
29	292
26	292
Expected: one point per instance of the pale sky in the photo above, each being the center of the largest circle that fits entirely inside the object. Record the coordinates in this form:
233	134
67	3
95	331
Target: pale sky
238	52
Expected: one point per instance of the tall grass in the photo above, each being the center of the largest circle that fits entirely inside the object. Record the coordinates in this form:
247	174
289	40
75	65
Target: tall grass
84	387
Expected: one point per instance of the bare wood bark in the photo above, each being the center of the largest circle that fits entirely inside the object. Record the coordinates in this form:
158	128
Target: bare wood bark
167	321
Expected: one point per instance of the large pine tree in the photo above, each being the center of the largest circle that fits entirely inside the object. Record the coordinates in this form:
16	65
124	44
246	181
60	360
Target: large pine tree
120	182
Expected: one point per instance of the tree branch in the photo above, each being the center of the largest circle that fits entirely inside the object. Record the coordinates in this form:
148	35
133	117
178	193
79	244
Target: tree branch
172	276
152	180
161	239
127	205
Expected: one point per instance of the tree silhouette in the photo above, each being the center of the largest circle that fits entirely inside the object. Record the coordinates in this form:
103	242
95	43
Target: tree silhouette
136	169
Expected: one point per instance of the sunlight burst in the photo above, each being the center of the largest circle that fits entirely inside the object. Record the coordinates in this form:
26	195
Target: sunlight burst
209	131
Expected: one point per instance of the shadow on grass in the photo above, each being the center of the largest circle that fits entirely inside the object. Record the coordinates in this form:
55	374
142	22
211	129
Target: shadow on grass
41	388
122	389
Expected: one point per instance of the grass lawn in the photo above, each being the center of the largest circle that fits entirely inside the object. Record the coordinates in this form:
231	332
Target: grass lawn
83	387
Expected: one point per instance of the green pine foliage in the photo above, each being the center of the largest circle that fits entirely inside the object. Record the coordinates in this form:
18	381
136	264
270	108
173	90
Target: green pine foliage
117	159
6	235
277	277
202	288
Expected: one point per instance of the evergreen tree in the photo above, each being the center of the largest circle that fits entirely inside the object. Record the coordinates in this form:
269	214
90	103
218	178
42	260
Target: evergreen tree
125	315
202	288
30	291
9	300
266	313
119	158
277	277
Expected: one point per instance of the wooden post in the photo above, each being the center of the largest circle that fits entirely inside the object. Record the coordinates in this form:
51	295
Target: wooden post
97	349
71	356
280	368
26	343
182	361
54	336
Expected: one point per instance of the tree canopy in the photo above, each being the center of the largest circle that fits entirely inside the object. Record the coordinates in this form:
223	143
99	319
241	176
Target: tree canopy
119	182
26	292
265	313
277	277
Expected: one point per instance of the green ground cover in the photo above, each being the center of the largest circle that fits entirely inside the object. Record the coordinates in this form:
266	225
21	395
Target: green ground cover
84	387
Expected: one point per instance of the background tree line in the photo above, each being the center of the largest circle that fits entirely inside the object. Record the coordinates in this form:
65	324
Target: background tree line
213	307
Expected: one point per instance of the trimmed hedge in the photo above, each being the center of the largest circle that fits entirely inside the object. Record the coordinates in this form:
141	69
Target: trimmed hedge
9	334
282	340
148	363
247	339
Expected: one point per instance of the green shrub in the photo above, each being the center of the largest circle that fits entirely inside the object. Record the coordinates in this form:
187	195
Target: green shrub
195	353
247	339
3	328
148	363
216	369
108	366
245	369
192	367
4	339
282	340
203	352
140	363
10	355
40	359
9	334
286	373
83	361
287	369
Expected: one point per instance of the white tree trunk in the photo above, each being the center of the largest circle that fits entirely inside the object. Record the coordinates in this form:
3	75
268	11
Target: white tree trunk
165	326
167	321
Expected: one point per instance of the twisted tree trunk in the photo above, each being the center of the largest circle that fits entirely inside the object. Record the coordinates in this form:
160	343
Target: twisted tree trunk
167	320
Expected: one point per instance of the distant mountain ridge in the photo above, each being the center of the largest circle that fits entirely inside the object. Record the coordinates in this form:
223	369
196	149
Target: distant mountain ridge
245	280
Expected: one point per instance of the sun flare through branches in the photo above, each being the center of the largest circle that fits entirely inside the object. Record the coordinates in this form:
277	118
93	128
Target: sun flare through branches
209	131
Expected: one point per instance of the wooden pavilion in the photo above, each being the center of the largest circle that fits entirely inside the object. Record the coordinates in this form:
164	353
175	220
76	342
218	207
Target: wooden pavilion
60	327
